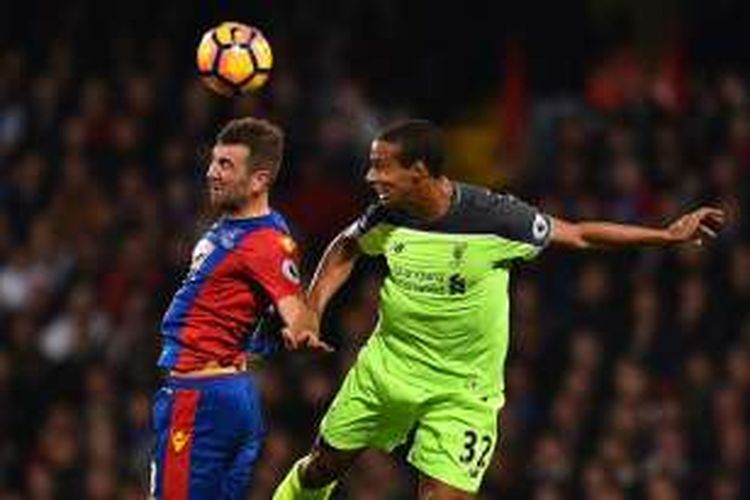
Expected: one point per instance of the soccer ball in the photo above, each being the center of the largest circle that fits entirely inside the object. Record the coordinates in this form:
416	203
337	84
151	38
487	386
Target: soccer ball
234	58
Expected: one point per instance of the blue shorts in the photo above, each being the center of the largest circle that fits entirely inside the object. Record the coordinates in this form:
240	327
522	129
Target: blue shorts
209	434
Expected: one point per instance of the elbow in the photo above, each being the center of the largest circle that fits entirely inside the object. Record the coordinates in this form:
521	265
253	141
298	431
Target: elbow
576	238
582	238
581	243
579	240
570	235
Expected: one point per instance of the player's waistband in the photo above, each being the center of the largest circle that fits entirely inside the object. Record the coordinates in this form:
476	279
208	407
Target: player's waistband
212	369
180	382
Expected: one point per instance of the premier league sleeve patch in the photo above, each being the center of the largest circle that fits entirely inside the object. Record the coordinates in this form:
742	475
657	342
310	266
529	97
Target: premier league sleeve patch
290	271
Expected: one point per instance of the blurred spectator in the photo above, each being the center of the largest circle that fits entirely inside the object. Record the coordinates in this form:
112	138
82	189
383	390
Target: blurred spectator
629	373
78	330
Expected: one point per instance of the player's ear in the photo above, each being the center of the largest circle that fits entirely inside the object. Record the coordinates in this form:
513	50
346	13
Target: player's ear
261	179
420	168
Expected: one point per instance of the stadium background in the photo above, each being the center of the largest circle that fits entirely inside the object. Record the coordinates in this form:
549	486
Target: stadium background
629	375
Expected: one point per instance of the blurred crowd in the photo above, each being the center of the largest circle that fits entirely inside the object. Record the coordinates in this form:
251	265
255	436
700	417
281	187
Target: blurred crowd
629	372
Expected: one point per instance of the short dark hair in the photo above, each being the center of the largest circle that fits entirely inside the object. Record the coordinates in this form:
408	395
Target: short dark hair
264	140
419	140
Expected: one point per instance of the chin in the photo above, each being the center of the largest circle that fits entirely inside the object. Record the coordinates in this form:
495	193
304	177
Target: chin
217	203
221	206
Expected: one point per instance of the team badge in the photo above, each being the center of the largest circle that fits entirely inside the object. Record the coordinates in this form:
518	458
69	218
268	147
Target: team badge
202	250
179	439
459	249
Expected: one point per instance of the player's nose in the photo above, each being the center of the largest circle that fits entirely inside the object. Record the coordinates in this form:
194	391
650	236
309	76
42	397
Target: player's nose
371	176
212	172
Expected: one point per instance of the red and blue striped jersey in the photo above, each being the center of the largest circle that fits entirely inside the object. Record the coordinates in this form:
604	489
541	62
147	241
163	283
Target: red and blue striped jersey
239	268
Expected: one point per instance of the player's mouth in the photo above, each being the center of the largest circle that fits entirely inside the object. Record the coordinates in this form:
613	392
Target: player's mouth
384	195
216	194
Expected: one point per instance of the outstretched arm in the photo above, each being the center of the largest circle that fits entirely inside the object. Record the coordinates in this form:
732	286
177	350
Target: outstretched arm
333	270
693	227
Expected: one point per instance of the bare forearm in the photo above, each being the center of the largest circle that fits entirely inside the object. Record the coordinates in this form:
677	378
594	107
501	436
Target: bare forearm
302	324
586	235
333	270
608	234
691	227
297	314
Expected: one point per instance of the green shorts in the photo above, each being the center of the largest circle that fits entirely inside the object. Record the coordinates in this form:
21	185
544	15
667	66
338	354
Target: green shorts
454	431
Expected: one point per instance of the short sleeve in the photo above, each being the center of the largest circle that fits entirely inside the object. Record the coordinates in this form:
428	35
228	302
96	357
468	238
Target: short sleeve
271	259
368	230
525	228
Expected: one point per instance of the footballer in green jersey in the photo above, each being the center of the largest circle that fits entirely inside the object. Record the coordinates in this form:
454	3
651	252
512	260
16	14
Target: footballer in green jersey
434	365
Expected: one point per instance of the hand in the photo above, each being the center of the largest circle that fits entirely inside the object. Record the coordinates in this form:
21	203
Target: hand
304	339
697	226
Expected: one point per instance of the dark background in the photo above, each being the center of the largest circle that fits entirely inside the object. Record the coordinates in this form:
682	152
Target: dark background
629	372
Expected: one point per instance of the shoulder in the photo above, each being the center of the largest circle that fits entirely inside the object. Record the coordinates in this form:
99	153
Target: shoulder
376	214
277	221
268	240
503	214
484	200
373	215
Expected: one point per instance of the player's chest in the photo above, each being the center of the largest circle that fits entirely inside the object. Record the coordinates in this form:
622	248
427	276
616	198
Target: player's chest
215	257
421	256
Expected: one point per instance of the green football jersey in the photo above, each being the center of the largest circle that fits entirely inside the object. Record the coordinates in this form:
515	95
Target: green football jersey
444	307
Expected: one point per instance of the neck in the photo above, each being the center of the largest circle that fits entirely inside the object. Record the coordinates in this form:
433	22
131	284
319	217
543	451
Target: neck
255	207
433	200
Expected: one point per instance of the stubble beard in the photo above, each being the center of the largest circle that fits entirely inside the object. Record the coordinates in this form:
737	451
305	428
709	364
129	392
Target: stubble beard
227	202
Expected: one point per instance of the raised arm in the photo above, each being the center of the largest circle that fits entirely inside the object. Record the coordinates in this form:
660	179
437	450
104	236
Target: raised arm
693	227
333	270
